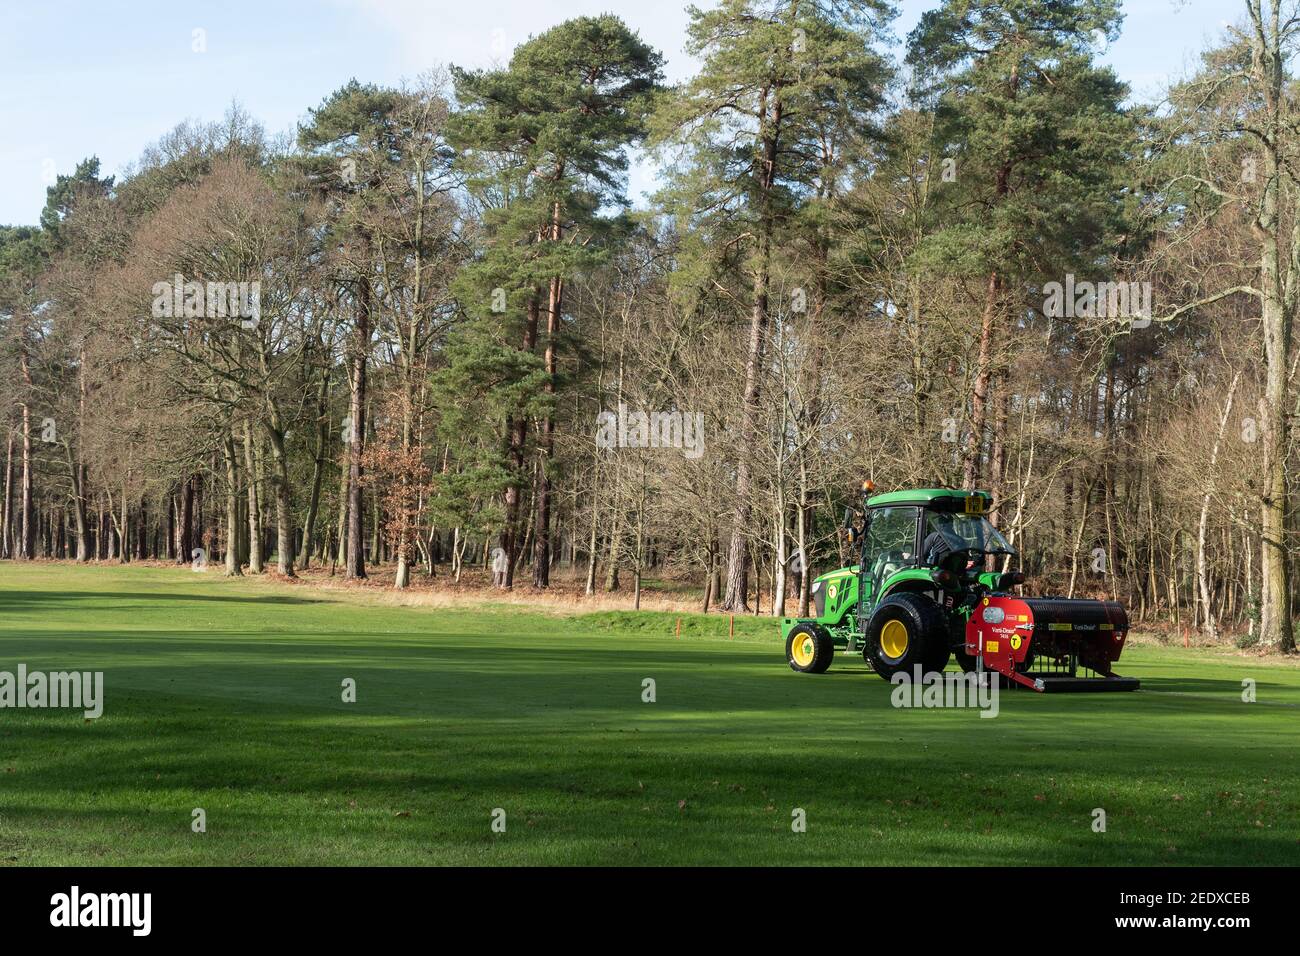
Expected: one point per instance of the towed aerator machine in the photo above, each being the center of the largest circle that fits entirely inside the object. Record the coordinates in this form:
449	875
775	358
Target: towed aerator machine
1042	643
919	596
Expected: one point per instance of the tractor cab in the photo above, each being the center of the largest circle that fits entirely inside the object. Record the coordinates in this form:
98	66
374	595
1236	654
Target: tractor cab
925	531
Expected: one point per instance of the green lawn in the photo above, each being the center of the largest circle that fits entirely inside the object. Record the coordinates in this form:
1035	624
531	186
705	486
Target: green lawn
225	694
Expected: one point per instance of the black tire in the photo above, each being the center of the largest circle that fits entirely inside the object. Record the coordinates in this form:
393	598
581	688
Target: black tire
926	636
815	652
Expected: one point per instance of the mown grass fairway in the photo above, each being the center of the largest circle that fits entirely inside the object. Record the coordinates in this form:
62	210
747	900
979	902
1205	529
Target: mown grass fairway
225	694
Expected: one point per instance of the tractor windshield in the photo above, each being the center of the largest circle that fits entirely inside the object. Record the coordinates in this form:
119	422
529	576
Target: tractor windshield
947	533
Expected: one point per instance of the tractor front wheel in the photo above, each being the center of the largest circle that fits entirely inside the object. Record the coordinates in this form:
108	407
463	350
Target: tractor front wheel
907	630
809	649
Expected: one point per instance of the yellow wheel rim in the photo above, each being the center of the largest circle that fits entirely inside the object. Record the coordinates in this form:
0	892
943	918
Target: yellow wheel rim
802	649
893	639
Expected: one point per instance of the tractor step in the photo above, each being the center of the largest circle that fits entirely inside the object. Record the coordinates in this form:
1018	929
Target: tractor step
1065	685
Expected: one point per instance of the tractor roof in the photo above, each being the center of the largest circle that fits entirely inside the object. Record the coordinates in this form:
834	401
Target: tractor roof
923	496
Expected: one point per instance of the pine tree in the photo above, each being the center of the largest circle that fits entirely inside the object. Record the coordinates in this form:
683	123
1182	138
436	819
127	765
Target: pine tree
1031	135
752	122
546	147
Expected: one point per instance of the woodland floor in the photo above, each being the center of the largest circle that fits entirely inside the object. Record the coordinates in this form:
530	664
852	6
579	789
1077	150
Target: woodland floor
225	694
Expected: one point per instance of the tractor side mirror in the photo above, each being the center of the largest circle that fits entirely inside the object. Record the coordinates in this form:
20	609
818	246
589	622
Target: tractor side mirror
853	534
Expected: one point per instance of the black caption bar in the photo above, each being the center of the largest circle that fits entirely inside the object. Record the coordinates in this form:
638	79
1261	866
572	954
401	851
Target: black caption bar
145	906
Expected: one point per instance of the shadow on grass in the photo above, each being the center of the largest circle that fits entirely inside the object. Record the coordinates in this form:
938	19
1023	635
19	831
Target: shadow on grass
38	600
278	787
437	644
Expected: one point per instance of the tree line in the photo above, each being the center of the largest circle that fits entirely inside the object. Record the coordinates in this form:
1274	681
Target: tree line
430	331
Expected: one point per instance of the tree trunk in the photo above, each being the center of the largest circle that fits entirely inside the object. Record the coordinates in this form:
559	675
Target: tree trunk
341	553
232	504
972	464
1209	625
516	429
318	468
546	441
356	555
1268	63
592	541
284	548
255	554
26	522
6	521
734	598
186	522
769	136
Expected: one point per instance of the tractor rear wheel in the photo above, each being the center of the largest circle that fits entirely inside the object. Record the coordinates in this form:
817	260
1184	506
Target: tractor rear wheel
905	631
809	649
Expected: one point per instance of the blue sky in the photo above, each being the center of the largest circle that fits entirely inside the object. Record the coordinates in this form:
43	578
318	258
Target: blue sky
107	78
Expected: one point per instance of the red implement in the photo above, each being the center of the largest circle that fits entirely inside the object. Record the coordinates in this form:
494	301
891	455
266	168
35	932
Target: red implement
1043	643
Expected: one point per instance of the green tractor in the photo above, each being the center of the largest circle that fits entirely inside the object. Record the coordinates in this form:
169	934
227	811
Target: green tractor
920	595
